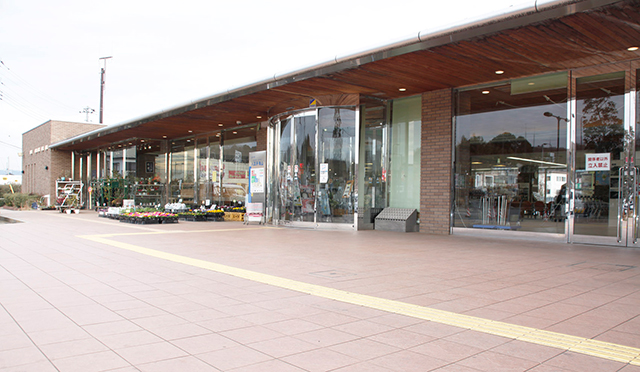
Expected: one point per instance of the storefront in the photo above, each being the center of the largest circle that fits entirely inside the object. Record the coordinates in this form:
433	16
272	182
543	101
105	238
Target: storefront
523	125
550	154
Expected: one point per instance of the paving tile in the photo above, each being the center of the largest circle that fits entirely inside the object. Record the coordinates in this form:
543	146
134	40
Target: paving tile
16	357
319	360
493	362
293	326
179	331
283	346
269	366
579	363
446	350
42	366
72	348
148	353
525	350
111	328
58	335
129	339
363	367
188	363
251	334
408	361
14	341
364	349
233	357
401	338
204	343
101	361
325	337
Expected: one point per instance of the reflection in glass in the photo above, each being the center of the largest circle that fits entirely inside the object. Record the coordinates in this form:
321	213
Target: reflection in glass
511	166
600	130
337	146
235	166
373	164
182	172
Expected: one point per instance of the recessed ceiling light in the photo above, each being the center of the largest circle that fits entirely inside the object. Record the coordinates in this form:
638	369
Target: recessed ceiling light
499	72
485	92
141	140
632	49
190	131
220	124
164	136
188	140
235	132
402	89
259	117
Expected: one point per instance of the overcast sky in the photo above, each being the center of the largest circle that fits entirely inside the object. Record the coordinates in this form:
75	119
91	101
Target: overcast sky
167	53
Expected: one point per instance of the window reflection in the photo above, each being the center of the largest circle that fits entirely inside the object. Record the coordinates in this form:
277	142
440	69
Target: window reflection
511	155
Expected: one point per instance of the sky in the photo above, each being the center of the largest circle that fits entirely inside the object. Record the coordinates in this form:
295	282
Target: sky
169	53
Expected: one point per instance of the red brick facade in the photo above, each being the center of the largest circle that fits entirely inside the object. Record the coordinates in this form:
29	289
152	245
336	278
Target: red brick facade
435	171
43	166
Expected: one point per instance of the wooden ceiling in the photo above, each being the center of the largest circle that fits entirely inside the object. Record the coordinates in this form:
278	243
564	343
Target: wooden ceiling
539	43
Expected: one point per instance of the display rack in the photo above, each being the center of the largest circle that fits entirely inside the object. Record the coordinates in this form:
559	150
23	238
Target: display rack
148	195
69	196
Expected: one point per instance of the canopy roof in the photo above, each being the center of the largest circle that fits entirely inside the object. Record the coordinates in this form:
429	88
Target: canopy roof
559	36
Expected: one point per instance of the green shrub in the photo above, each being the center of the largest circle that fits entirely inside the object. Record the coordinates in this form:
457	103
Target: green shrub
20	200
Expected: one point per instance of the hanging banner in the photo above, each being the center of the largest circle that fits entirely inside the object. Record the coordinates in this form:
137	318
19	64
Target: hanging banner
597	162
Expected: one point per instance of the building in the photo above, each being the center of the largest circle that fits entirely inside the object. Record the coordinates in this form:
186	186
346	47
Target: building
42	165
13	179
468	125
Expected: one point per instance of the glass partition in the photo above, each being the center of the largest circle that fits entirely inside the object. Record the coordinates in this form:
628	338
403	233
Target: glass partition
404	173
511	155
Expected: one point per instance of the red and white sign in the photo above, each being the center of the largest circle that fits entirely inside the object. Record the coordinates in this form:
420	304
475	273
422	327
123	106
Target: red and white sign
598	162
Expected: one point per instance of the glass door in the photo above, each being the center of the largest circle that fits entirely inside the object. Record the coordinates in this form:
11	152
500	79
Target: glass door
314	177
604	196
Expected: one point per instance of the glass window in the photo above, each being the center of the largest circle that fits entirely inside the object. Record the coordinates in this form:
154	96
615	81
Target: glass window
182	172
404	172
510	147
235	165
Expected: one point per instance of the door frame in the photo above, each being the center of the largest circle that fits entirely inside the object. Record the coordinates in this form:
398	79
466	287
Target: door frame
626	219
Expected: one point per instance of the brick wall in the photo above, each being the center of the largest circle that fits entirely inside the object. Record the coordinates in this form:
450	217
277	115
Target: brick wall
261	139
43	166
435	171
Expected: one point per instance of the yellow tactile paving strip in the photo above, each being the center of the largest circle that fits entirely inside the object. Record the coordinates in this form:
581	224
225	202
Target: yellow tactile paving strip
600	349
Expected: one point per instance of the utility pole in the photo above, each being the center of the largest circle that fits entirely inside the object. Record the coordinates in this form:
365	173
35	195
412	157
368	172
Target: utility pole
103	71
87	110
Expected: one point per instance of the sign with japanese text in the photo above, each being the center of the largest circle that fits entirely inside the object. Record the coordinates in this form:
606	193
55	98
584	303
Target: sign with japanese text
597	162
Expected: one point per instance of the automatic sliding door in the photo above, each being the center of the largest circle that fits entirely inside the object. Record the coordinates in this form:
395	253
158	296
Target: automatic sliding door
603	195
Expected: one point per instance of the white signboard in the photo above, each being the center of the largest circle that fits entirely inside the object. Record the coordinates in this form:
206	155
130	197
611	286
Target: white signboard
257	180
598	162
324	172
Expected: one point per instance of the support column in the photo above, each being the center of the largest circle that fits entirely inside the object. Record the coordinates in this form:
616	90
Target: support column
436	156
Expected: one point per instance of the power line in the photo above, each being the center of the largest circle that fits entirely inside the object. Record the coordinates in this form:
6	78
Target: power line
34	90
9	144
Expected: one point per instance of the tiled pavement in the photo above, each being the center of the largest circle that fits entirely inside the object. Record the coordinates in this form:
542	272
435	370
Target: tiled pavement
73	302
